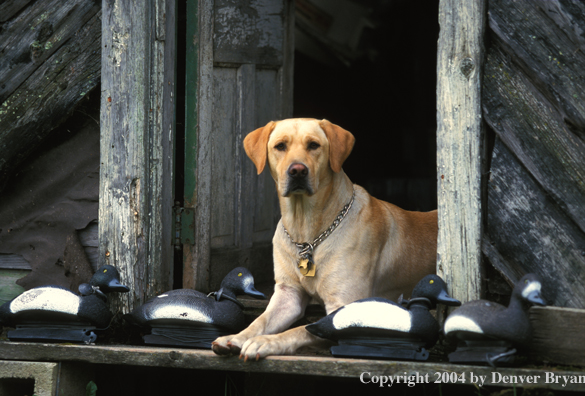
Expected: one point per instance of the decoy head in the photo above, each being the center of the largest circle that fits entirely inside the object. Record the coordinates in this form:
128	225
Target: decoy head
528	289
107	279
433	288
239	281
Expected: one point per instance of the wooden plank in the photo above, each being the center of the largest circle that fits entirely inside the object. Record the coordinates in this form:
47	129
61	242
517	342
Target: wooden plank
247	200
532	234
558	335
197	258
223	158
536	128
459	137
137	117
8	287
266	216
10	7
297	365
250	33
50	61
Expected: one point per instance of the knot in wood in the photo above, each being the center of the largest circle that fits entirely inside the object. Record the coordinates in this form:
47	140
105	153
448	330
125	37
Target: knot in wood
467	67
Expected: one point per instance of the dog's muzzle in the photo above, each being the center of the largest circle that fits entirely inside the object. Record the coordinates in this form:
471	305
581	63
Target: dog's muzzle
297	180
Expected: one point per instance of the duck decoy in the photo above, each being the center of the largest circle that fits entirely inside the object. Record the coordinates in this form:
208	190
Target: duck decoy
189	318
55	314
382	329
489	332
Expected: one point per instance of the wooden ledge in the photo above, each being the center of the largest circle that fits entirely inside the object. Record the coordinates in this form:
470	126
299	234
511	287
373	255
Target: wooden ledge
299	365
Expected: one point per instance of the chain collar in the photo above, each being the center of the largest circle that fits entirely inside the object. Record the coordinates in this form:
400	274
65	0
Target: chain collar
306	248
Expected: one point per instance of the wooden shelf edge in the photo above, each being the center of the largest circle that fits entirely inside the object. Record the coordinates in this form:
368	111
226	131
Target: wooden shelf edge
298	364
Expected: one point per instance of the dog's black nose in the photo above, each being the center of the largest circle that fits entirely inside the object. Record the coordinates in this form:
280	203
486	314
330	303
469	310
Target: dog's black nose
298	171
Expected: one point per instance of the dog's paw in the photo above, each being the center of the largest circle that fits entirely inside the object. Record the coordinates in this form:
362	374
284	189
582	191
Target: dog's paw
261	346
227	345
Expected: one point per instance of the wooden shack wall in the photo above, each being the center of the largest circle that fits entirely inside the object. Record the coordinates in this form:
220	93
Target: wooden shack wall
534	100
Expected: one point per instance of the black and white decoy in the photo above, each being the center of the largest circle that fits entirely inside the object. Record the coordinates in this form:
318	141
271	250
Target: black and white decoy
489	332
55	314
189	318
380	328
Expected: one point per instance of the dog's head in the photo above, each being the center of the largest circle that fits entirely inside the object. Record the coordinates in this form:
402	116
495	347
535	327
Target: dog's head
301	153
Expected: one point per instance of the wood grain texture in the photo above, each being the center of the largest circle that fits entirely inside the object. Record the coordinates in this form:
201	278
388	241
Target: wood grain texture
238	91
137	116
558	335
50	59
197	257
297	365
532	233
250	32
459	137
533	94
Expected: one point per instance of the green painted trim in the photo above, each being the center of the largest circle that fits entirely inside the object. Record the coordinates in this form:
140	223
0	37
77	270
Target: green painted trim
191	102
188	226
8	287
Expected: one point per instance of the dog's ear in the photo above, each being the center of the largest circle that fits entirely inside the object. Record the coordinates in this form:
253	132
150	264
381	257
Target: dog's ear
340	144
255	145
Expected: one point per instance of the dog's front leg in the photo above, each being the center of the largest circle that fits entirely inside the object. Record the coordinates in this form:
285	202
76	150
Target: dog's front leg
286	306
286	343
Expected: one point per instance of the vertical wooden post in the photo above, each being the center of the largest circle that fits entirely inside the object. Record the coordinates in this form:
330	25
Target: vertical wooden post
137	141
198	131
459	137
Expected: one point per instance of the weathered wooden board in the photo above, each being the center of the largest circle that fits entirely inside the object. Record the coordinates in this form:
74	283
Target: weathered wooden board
240	87
459	137
50	59
10	7
532	233
558	335
137	116
533	93
249	32
296	365
224	147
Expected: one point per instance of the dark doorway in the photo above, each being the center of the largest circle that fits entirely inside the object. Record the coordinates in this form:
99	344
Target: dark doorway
379	84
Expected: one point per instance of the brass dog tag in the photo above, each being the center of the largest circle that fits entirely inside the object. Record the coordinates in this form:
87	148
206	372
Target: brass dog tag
307	267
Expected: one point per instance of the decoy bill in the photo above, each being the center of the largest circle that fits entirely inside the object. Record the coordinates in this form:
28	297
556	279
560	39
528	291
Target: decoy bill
189	318
55	314
489	332
380	328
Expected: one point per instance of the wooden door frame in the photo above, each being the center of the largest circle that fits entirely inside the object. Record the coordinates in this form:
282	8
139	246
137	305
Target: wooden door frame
460	136
198	131
136	219
137	145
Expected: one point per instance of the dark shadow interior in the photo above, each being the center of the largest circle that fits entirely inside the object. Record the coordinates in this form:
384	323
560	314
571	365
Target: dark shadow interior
384	95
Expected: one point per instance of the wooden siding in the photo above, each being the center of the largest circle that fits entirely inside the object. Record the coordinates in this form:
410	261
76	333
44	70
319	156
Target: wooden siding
50	59
534	101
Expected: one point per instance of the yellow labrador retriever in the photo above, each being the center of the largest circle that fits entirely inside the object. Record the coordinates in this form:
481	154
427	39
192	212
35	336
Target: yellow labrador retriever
359	246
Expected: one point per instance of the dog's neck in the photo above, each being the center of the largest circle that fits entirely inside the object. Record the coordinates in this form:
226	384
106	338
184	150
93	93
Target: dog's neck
306	217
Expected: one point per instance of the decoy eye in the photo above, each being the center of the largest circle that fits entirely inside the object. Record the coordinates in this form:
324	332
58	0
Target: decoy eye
105	271
431	281
240	274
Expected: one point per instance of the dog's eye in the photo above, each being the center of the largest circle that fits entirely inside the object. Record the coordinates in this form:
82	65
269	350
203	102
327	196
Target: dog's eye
280	146
314	146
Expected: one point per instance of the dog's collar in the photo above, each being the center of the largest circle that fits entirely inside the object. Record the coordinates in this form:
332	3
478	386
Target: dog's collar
305	262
